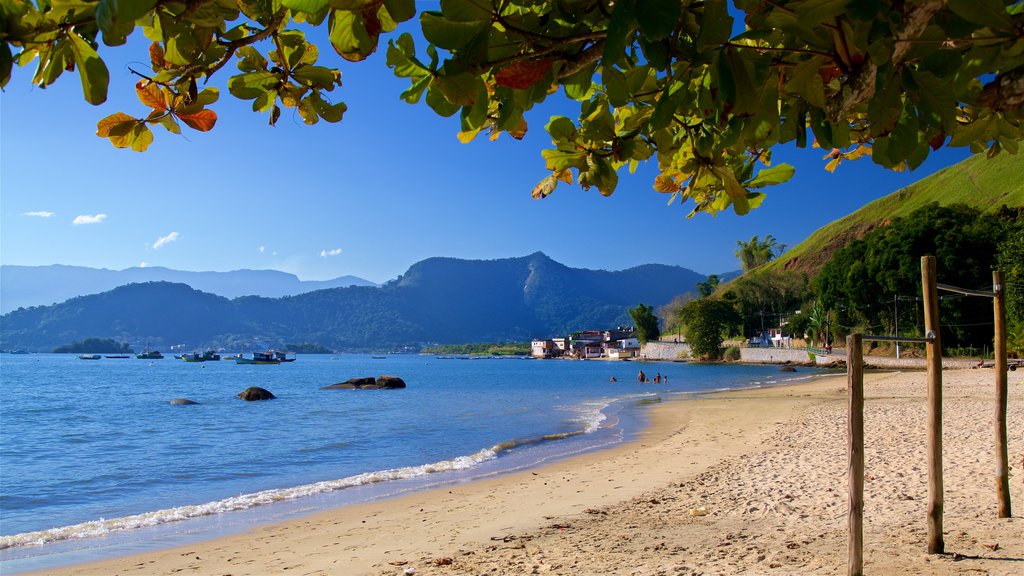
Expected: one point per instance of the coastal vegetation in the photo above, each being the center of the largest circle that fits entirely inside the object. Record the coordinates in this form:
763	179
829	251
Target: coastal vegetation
480	349
872	285
308	348
645	322
95	346
662	81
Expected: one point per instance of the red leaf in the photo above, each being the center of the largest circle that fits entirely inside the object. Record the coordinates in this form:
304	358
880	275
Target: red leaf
938	141
150	95
156	55
202	120
521	75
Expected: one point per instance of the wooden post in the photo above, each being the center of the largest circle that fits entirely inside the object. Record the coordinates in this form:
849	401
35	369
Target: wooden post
936	545
1002	460
855	438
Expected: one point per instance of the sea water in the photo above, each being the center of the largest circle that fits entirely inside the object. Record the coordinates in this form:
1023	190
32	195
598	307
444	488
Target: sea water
94	461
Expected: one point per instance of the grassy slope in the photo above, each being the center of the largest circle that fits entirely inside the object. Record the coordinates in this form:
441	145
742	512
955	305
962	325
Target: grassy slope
977	181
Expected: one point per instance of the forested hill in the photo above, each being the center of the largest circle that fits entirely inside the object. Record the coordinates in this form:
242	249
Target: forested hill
439	300
979	182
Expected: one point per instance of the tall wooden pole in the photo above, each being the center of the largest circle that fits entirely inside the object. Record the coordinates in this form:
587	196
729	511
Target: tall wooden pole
1002	460
936	545
855	438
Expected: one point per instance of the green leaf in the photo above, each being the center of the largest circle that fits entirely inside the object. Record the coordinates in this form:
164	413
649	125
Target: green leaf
467	10
966	134
772	176
6	64
615	87
252	85
620	28
401	56
250	60
413	94
329	112
349	35
561	159
580	85
401	10
812	13
715	26
116	18
438	102
307	6
91	70
658	19
562	129
805	81
990	13
318	76
449	35
461	89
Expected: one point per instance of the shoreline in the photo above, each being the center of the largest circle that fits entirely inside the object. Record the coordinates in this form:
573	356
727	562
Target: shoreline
621	500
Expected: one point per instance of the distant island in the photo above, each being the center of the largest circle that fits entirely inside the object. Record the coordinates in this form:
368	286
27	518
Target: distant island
486	349
95	346
308	348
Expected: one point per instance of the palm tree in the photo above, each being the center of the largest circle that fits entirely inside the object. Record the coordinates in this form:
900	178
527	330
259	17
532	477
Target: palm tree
756	252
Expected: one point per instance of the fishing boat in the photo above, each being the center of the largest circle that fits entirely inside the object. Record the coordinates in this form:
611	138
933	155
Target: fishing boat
150	355
89	357
118	356
257	358
282	356
207	356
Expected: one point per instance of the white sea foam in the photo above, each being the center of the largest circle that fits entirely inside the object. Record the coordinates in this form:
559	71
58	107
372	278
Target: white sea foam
591	416
103	527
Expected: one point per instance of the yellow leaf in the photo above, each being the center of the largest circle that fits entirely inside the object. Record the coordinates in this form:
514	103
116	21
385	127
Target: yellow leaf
117	122
564	176
665	184
467	136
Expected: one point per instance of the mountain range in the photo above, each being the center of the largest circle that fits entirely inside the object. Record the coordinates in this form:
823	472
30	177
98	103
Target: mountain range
438	300
25	286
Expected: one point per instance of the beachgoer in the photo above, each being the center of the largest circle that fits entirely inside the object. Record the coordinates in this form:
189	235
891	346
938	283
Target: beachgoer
641	376
657	378
612	379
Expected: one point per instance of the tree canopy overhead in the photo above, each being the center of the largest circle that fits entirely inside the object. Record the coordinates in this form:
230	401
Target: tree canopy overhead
663	80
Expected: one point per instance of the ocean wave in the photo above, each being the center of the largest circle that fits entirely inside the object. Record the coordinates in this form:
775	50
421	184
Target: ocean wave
102	527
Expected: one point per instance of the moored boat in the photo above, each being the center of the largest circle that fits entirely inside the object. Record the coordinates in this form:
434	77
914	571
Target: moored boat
89	357
257	358
150	355
207	356
118	356
281	356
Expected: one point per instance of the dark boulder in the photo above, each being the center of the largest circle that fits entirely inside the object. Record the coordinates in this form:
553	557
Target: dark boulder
787	369
382	383
390	382
182	402
352	384
255	393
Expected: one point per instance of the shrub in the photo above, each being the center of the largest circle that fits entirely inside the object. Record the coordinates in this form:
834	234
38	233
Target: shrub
732	354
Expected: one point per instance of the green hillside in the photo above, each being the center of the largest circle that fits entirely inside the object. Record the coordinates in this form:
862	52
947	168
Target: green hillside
979	182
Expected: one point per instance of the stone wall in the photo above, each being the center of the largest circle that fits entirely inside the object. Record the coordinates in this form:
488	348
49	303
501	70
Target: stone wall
674	351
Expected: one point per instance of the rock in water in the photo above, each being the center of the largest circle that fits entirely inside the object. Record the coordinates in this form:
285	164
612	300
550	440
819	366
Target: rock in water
382	383
787	369
182	402
390	382
352	384
255	393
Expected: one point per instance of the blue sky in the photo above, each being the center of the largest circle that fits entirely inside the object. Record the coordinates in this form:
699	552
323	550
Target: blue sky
388	186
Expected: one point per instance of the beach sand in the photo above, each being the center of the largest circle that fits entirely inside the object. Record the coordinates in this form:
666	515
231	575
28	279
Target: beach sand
746	482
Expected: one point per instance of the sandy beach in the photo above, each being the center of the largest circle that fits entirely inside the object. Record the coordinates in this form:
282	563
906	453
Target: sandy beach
747	482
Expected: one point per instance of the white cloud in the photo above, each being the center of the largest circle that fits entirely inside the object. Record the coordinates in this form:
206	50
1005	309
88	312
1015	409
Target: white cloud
39	214
143	264
89	219
262	248
326	253
165	240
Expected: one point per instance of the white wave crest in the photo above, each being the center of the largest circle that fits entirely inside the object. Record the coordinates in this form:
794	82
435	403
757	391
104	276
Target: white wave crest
103	527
